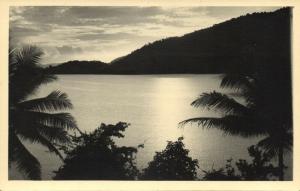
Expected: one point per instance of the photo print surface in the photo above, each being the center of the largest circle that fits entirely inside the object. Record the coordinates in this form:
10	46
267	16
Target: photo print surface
150	93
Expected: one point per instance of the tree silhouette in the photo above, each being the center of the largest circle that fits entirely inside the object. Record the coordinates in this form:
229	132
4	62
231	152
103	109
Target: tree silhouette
34	120
224	174
260	168
258	116
95	156
173	163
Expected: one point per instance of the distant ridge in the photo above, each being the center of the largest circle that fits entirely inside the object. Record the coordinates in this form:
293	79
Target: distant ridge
78	67
243	43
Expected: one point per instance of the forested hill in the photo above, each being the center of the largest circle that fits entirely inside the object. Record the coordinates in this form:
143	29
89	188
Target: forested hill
236	43
242	43
78	67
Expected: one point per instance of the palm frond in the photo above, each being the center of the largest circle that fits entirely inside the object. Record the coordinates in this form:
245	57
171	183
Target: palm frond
59	120
53	102
12	62
230	124
272	143
29	55
50	146
22	85
31	134
27	119
220	102
25	73
23	159
53	134
62	120
236	81
268	146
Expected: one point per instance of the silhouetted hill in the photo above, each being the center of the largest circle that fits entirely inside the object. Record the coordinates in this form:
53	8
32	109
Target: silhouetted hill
78	67
239	43
116	59
245	43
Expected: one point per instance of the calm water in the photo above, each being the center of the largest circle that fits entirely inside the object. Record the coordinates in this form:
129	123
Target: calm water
153	105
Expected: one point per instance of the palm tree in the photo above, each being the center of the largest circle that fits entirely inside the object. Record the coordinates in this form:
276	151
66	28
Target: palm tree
255	117
34	120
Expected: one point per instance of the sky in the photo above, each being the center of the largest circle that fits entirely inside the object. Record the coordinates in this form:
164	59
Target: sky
107	32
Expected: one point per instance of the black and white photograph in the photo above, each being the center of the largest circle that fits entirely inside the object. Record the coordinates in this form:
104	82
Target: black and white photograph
160	93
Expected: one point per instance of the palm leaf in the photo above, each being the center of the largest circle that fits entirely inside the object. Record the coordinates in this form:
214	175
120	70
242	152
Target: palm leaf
31	134
245	85
60	120
230	124
53	102
23	85
24	160
220	102
29	55
27	119
276	141
50	146
53	134
25	73
12	61
236	81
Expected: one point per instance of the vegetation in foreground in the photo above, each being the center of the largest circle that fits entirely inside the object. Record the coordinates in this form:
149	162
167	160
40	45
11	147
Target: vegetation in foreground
257	116
35	120
173	163
260	168
95	156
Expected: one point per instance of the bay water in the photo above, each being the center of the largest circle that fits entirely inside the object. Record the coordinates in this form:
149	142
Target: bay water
153	105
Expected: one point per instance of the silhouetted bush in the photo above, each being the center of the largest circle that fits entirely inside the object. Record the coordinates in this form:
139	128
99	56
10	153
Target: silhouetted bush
259	169
95	156
173	163
227	173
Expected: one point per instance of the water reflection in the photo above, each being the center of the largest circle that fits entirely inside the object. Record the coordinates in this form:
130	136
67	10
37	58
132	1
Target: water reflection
154	105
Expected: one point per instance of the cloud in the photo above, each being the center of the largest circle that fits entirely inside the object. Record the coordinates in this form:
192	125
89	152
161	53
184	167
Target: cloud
70	16
229	12
114	12
23	31
68	50
108	32
111	37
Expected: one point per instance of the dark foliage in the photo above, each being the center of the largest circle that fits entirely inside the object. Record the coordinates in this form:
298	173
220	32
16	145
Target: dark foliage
266	110
223	174
173	163
95	156
25	73
34	120
260	168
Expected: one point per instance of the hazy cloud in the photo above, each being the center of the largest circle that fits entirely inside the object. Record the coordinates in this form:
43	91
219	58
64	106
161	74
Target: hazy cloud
221	12
108	32
68	50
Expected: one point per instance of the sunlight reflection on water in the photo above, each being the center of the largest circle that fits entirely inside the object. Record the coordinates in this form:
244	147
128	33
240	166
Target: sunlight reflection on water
153	105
